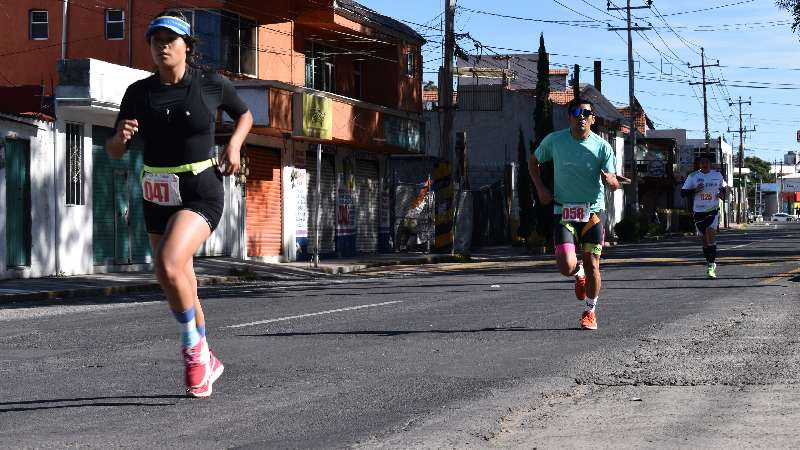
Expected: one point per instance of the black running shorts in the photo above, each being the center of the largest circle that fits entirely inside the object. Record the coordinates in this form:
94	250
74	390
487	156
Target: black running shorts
202	193
705	220
590	236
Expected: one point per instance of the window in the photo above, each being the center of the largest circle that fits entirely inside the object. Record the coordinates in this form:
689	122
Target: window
357	84
74	141
227	41
115	24
320	67
38	30
410	64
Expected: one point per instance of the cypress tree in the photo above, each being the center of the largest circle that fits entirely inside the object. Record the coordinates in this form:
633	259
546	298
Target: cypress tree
543	125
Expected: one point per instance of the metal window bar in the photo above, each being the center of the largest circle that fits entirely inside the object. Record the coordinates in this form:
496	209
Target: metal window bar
74	157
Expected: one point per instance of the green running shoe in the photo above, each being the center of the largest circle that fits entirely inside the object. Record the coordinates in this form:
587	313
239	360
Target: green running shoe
711	270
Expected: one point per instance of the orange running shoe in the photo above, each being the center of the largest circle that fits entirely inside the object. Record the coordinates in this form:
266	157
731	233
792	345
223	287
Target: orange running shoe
580	288
588	320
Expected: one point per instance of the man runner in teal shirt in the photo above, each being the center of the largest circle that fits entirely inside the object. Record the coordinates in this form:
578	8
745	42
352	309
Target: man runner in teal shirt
584	164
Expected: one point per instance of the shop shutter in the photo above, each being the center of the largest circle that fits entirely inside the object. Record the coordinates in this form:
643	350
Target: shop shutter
327	240
264	202
367	206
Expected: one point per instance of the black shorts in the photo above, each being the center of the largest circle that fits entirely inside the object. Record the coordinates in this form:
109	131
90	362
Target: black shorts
567	235
705	220
202	193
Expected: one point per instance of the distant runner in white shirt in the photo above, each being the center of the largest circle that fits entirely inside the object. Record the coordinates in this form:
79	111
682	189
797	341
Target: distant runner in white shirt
708	187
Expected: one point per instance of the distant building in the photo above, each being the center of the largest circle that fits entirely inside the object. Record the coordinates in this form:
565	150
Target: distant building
791	158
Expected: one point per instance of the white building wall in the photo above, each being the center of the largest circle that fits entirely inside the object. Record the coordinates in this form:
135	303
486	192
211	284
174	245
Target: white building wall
72	242
39	134
492	136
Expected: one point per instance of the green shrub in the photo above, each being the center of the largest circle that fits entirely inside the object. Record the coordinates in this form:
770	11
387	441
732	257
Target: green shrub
628	229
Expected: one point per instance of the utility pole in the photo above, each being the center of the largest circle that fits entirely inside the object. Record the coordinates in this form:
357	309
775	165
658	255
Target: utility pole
446	84
446	150
703	66
631	97
739	207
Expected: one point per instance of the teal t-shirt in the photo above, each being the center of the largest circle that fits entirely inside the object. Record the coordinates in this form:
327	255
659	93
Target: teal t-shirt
577	166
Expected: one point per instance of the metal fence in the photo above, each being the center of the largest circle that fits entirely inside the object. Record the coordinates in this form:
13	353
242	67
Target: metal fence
490	216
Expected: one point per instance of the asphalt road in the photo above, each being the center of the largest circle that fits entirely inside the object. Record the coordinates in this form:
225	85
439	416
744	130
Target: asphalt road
485	354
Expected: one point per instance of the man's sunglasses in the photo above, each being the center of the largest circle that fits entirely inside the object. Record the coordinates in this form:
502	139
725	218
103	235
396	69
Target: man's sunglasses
577	112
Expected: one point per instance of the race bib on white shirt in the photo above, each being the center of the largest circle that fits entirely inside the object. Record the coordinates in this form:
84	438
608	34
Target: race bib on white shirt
706	199
575	212
162	189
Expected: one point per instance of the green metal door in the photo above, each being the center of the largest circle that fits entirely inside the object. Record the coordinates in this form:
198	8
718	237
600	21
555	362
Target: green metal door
119	230
18	203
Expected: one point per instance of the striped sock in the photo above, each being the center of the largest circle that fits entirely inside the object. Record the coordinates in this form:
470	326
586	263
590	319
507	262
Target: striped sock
189	335
201	330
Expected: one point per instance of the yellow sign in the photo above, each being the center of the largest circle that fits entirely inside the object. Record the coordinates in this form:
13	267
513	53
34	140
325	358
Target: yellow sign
317	116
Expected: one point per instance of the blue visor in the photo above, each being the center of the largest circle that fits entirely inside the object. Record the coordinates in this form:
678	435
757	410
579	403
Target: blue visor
175	24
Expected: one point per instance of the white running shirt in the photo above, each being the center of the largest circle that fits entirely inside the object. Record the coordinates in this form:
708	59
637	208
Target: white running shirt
707	199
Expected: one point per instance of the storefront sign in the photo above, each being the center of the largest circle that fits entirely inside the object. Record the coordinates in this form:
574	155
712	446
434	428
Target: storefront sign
313	116
791	185
768	187
401	132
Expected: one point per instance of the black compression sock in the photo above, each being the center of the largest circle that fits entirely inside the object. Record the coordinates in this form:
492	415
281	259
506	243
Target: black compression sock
707	254
712	254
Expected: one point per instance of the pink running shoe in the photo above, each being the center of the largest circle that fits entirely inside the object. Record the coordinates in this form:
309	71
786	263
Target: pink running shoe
196	361
214	369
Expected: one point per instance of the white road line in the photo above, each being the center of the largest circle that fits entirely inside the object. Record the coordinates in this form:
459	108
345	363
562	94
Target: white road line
736	246
330	311
743	245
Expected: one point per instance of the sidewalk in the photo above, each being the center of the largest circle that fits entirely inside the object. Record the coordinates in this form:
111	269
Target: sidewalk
209	271
221	270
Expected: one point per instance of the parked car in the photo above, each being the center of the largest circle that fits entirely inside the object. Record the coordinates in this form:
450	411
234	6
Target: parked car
783	217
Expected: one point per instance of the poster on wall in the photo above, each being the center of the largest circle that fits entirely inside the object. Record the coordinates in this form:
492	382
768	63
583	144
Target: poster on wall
300	189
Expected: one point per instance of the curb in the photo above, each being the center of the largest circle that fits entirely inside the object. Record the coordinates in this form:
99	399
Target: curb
115	290
430	259
212	280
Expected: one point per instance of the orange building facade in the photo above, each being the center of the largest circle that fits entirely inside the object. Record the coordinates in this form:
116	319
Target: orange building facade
317	74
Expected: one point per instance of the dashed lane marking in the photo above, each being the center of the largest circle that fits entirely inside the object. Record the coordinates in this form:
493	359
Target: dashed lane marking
320	313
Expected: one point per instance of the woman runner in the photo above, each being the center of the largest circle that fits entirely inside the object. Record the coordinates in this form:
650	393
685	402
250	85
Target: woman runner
174	111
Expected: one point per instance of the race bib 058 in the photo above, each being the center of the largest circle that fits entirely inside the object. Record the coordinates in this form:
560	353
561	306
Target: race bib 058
161	188
575	212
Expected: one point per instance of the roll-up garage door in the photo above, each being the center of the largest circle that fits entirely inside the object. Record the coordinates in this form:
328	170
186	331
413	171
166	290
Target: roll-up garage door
367	206
327	236
264	207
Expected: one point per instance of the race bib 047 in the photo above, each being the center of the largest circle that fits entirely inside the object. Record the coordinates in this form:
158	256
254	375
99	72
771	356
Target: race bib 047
162	189
575	212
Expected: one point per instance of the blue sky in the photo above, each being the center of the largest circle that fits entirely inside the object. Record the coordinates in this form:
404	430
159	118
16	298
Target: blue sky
752	39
